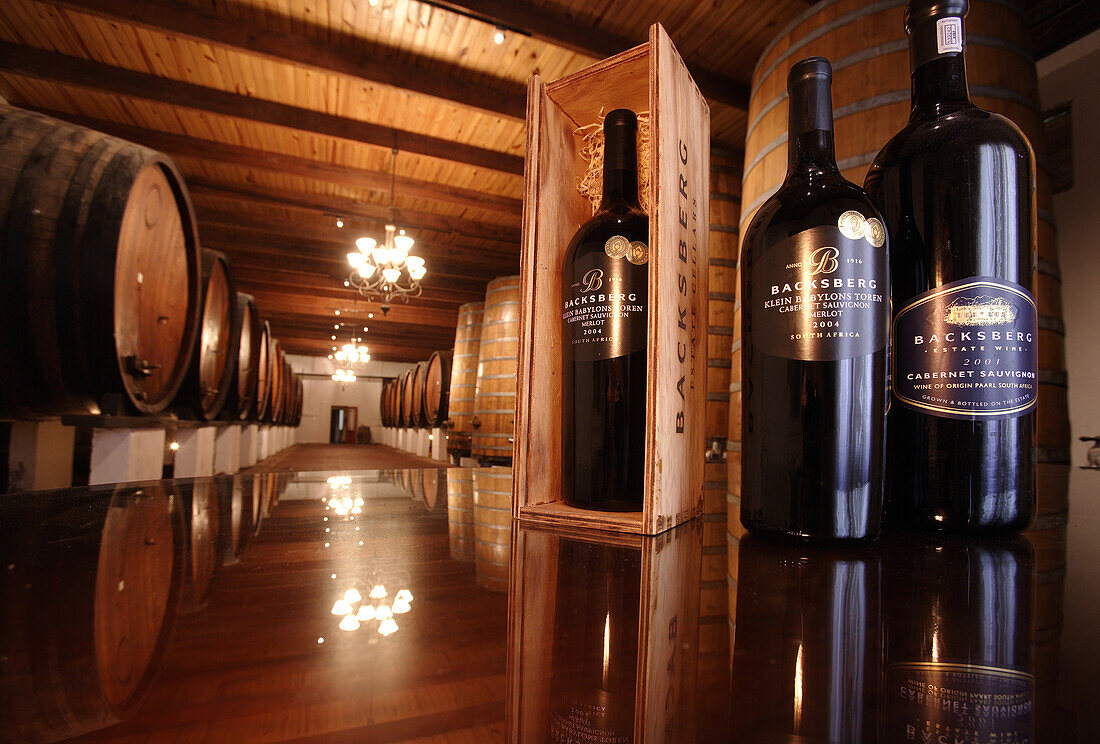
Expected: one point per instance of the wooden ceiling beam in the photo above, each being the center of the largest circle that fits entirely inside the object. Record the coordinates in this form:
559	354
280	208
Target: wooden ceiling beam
60	68
341	240
329	204
497	96
305	303
564	31
179	145
379	353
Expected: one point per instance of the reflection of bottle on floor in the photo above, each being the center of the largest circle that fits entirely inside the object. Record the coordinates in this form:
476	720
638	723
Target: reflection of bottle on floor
958	642
594	668
807	645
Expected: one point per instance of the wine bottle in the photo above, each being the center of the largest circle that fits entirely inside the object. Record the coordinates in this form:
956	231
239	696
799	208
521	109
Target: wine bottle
807	661
593	674
956	188
814	289
958	634
604	295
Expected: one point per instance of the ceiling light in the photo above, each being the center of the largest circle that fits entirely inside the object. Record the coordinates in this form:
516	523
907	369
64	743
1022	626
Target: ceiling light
498	36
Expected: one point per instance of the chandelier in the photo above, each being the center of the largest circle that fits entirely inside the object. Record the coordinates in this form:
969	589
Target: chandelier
352	353
385	271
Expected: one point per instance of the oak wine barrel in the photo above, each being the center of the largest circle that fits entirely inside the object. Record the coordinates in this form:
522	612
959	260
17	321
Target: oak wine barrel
420	374
383	404
242	391
275	381
436	381
99	272
871	99
493	526
463	382
213	363
407	398
460	513
495	392
263	373
103	583
234	515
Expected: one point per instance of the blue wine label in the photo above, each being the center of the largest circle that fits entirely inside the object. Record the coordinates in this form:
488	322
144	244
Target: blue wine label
967	350
822	295
605	300
942	702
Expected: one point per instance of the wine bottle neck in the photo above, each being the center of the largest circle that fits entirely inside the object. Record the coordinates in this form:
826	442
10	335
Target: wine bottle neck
810	145
938	61
620	168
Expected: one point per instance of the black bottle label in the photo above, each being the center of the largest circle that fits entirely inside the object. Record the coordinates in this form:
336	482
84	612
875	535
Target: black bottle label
605	302
934	702
967	350
822	295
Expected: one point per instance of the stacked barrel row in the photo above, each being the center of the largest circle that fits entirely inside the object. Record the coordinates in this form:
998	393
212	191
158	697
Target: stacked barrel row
109	305
418	398
871	93
470	391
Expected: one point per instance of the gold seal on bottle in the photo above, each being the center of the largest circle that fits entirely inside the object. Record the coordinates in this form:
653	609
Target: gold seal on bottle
616	246
638	253
876	233
852	224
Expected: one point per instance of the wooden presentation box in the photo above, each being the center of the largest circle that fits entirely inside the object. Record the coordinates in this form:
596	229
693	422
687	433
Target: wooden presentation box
649	78
668	589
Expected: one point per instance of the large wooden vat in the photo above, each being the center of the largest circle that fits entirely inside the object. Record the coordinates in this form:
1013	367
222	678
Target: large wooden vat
275	381
460	513
495	392
419	380
213	363
263	373
871	93
242	393
99	271
99	586
463	382
436	380
492	526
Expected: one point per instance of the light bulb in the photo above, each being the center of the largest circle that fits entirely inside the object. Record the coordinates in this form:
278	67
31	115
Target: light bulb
341	356
359	501
330	356
356	259
404	594
365	245
391	275
353	595
339	222
418	273
498	36
367	270
334	338
335	312
369	315
387	627
400	607
349	623
383	612
347	283
341	607
366	612
414	262
380	254
336	327
378	592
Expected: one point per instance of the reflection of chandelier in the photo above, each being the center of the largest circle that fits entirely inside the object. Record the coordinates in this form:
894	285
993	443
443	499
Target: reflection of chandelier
355	610
386	271
343	375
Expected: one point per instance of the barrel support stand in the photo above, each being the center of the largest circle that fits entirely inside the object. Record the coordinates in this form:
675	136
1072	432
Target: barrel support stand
423	444
195	456
250	441
227	449
439	444
123	455
40	455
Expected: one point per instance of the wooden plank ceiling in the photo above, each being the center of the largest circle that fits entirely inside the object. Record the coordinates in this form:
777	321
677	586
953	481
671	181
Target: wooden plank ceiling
284	114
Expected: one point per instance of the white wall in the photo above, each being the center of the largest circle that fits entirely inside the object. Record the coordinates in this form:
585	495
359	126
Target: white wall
320	393
1069	75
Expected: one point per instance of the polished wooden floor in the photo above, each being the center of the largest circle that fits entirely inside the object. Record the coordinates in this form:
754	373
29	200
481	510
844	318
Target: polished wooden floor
307	457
